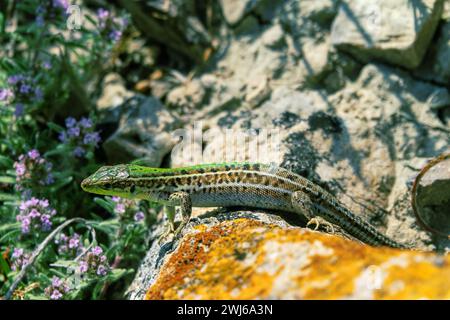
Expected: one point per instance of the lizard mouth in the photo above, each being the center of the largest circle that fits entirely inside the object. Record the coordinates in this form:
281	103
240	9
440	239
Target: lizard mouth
86	183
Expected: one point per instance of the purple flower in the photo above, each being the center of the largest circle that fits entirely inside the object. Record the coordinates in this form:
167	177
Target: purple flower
19	111
73	132
17	253
34	154
79	152
71	122
63	4
115	35
139	216
120	208
97	250
101	271
32	171
56	295
20	169
110	26
102	14
62	136
56	282
94	262
25	88
70	246
56	289
15	79
47	64
19	259
85	123
84	267
5	94
35	214
80	136
74	243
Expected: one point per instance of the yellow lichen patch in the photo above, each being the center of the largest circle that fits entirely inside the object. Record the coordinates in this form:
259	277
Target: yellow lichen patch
248	259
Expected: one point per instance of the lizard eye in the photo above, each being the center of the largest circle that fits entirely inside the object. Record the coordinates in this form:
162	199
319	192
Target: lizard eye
132	189
108	185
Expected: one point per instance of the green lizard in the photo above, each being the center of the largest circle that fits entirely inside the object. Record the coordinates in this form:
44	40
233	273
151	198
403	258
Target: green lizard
232	184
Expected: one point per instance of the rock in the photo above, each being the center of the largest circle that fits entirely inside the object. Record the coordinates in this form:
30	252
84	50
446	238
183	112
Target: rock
188	95
349	142
314	60
273	37
143	133
271	261
401	222
432	196
235	10
114	92
248	26
175	27
446	117
439	99
436	66
397	32
308	19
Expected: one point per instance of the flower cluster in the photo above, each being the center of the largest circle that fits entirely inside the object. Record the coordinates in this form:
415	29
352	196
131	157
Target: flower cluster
109	26
94	262
32	170
57	289
127	209
80	136
51	11
69	245
19	259
35	214
22	89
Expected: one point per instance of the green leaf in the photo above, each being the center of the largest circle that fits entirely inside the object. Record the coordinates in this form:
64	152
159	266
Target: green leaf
8	197
61	183
60	149
55	127
4	266
5	161
107	205
9	226
7	179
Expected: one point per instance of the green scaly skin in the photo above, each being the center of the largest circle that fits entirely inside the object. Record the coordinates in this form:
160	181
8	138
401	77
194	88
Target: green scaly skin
232	184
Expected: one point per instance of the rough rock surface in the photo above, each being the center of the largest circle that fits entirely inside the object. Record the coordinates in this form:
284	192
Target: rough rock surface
432	195
271	261
397	32
337	85
436	65
143	133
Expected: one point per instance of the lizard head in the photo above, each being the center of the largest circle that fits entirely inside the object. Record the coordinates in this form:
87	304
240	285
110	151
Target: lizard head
108	180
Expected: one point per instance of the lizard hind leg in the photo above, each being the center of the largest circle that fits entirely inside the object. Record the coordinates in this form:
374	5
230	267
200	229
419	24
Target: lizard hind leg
303	203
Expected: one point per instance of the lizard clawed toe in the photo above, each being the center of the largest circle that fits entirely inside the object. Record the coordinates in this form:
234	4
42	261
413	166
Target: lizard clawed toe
318	221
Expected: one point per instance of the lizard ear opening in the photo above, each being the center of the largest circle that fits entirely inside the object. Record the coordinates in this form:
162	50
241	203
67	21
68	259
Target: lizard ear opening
132	189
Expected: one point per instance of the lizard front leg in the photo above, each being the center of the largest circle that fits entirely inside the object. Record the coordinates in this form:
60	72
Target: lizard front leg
303	203
170	228
183	200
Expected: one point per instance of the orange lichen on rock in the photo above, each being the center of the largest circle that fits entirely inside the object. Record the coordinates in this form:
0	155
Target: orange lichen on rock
248	259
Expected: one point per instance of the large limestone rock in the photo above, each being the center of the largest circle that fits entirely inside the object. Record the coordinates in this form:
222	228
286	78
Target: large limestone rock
144	133
235	10
349	142
256	256
397	32
436	66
